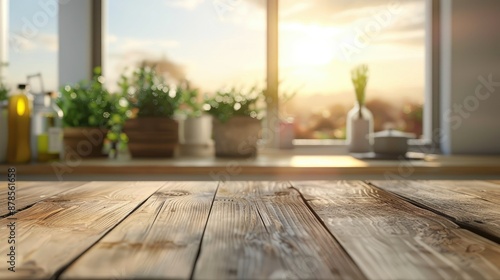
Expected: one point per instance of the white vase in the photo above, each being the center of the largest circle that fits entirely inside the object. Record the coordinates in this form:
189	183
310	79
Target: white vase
359	130
196	131
195	136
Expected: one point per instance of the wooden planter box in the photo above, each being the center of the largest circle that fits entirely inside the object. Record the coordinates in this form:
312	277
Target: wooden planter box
86	142
152	137
237	137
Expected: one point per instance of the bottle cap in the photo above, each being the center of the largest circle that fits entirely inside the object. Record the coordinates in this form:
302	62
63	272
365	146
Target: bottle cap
21	86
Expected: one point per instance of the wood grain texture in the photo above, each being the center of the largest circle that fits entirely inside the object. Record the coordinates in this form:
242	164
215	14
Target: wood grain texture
236	244
29	193
264	230
461	201
484	190
55	231
160	240
494	182
389	238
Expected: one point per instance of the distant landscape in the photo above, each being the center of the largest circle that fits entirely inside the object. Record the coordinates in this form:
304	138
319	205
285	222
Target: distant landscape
321	116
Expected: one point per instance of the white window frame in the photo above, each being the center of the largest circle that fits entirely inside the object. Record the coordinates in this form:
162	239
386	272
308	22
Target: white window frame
4	35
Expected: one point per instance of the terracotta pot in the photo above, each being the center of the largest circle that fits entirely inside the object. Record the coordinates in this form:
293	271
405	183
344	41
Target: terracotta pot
86	142
152	137
236	137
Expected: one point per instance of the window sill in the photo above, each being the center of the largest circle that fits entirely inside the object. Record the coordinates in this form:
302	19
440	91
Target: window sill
267	166
339	147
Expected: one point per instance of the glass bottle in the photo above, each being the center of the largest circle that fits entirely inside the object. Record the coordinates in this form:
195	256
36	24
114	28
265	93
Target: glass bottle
19	122
359	130
47	129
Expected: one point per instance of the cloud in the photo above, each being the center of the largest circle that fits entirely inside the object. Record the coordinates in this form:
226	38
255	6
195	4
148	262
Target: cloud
49	42
46	42
126	44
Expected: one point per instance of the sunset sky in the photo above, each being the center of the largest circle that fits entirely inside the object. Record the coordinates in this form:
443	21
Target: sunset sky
215	43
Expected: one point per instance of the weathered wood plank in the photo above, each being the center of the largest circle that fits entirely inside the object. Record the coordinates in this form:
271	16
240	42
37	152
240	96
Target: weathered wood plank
304	245
29	193
468	208
262	230
55	231
494	182
390	238
160	240
481	189
236	244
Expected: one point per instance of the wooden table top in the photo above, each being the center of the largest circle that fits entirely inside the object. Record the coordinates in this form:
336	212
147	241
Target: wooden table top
253	230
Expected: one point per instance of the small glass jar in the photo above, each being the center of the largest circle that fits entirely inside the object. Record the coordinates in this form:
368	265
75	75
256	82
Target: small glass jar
47	129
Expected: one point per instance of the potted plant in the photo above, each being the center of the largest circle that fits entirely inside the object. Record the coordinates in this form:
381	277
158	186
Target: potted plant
88	108
236	122
151	130
195	130
359	128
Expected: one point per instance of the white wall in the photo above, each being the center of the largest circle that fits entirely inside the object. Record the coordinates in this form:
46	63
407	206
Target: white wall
4	31
470	56
75	41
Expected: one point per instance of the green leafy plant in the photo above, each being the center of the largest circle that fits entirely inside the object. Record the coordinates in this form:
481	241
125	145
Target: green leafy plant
149	94
359	77
4	90
229	103
90	104
120	112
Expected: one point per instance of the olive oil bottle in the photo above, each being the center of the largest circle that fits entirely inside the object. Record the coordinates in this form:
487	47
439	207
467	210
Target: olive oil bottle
19	121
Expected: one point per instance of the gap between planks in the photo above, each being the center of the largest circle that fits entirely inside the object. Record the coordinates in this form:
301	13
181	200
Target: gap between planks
160	240
55	231
262	230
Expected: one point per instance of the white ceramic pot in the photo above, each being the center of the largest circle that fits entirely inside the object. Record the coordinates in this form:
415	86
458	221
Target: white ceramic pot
196	131
391	142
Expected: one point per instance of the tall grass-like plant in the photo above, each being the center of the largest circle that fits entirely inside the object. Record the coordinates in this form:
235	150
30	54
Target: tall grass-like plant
359	77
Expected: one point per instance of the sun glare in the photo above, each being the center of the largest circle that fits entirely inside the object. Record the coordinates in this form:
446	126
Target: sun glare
311	45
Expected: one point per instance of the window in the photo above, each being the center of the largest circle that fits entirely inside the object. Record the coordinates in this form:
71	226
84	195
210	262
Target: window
213	44
321	41
222	43
33	43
